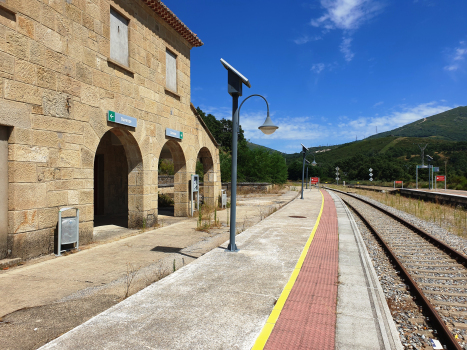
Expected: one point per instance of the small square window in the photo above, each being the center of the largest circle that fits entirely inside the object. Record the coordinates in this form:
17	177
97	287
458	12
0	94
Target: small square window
118	37
171	71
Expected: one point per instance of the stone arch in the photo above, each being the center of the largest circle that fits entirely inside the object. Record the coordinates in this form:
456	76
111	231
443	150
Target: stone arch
129	188
209	179
180	177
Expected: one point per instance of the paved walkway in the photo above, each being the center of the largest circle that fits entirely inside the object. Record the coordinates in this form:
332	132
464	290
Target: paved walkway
227	300
308	318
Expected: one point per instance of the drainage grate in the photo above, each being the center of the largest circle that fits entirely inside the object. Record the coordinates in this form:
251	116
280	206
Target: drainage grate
297	217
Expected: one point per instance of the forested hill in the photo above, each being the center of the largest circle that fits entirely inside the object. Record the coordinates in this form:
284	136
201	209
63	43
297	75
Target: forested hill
450	125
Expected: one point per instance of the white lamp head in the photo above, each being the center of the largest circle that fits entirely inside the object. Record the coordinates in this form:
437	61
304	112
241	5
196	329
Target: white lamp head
268	127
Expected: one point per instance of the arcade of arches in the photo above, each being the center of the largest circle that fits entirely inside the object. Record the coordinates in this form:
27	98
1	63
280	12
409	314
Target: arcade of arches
125	184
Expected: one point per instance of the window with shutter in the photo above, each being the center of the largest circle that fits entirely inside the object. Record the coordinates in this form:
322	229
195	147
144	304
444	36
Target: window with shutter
171	71
118	37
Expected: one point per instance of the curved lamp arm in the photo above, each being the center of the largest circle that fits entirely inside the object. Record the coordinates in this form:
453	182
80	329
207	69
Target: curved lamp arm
268	127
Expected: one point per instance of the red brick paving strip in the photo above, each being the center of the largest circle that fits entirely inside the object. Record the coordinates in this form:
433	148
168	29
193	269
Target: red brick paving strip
308	319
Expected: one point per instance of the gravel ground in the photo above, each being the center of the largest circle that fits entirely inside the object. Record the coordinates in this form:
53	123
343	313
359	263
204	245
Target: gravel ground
415	331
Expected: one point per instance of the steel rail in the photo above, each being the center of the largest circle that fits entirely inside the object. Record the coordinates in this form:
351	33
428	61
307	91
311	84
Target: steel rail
444	334
459	257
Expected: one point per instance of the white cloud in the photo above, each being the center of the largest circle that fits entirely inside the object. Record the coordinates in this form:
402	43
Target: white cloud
457	57
378	104
304	39
345	49
346	14
295	130
318	67
366	125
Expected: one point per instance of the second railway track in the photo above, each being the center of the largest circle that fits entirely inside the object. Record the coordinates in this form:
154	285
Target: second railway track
435	273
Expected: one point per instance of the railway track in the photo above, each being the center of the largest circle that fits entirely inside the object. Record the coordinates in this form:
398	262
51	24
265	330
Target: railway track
435	273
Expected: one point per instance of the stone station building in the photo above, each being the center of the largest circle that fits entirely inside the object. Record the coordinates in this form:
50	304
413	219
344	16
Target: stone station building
92	94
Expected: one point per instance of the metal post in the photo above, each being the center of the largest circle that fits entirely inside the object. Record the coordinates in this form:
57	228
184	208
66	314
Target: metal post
233	197
394	184
402	184
307	177
445	180
303	172
417	177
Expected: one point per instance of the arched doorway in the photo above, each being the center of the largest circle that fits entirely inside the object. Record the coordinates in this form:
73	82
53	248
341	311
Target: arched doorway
118	180
172	156
209	178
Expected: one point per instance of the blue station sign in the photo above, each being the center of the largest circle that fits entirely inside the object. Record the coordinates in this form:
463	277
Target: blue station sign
174	133
121	119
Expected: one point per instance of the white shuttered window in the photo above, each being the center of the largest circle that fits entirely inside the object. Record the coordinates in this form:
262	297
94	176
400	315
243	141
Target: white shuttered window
118	37
171	71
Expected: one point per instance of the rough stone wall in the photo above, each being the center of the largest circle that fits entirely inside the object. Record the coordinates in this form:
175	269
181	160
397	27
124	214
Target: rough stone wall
56	87
166	179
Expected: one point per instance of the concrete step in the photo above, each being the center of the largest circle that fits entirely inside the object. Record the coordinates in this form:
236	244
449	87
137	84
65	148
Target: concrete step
5	263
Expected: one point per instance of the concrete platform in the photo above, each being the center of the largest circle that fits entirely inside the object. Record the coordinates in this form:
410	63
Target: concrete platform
222	300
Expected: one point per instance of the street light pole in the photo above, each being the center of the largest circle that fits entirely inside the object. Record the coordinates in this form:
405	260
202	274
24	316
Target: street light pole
235	84
304	149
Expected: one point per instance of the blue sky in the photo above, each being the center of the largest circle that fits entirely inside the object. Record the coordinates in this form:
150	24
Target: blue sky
331	70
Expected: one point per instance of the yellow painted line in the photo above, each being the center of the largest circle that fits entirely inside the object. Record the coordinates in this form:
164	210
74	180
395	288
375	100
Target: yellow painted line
273	317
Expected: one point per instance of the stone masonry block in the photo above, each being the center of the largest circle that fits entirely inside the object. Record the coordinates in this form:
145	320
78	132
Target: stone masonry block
101	80
45	138
69	86
46	78
86	196
49	38
87	158
83	73
26	27
26	196
83	173
25	72
91	140
55	104
23	92
90	95
17	45
53	60
22	221
30	244
73	197
22	172
7	63
56	124
66	158
37	53
64	27
74	13
15	114
48	217
26	153
57	198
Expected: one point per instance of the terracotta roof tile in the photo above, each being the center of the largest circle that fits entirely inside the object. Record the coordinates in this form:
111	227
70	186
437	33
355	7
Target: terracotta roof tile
163	11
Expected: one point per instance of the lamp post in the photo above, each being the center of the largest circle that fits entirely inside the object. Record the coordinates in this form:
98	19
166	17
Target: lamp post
304	150
430	175
235	84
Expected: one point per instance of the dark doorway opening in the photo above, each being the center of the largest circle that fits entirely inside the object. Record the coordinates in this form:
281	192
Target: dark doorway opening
110	183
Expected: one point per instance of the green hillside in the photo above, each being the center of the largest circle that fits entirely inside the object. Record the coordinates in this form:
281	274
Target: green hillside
254	146
392	158
449	125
